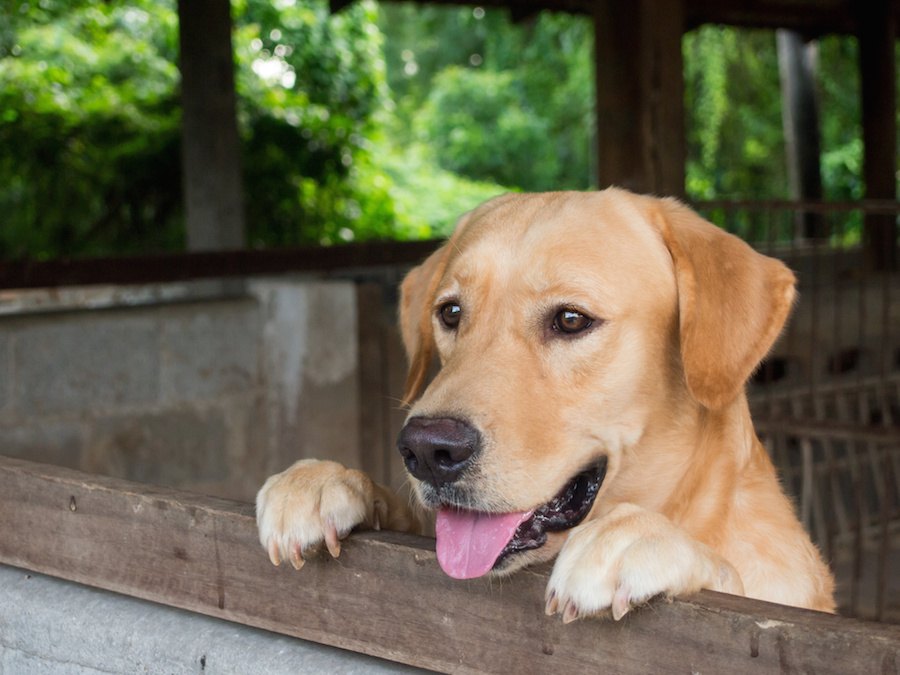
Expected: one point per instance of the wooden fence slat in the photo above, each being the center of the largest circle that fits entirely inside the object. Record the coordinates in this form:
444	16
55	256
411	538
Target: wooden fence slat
386	596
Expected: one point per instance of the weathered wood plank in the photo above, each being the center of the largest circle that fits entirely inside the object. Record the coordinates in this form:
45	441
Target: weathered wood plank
878	72
386	596
173	267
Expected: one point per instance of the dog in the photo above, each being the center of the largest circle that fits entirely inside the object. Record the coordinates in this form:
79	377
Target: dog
589	406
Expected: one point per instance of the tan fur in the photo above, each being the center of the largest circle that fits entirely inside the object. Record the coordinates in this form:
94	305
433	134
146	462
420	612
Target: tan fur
690	498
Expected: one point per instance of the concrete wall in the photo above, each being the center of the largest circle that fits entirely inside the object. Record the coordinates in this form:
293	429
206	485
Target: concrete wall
212	386
209	388
55	627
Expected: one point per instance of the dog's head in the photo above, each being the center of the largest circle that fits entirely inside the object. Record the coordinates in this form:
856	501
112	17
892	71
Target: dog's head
570	328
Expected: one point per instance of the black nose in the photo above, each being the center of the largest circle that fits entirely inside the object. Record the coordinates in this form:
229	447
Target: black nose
437	449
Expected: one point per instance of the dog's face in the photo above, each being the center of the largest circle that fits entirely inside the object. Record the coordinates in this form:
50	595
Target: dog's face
559	321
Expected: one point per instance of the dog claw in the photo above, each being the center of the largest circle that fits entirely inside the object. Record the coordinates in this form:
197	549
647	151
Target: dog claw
621	603
274	556
570	613
332	541
297	557
552	604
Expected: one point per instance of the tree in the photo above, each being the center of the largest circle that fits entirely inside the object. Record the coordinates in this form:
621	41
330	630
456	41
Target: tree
310	85
88	128
89	125
494	100
733	105
381	121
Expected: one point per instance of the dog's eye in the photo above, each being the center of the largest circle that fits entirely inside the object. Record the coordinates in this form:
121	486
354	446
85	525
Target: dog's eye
571	321
450	313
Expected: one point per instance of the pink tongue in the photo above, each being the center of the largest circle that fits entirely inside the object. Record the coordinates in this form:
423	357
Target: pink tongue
469	542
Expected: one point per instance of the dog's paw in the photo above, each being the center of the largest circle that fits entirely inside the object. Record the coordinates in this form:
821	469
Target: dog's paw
625	558
311	502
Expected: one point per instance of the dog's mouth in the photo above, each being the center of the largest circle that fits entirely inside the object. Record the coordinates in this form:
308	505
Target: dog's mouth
472	543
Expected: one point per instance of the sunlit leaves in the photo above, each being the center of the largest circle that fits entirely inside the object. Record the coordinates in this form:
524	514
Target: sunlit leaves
90	124
493	100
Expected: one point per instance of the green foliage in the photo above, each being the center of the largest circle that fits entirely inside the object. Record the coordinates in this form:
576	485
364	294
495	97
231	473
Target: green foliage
428	199
840	125
479	125
90	119
733	108
733	105
494	101
381	121
309	84
88	128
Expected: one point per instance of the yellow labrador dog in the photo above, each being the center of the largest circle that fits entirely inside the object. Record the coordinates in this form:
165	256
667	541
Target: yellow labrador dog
589	406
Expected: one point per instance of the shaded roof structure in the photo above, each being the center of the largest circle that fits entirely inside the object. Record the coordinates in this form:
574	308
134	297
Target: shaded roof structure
812	18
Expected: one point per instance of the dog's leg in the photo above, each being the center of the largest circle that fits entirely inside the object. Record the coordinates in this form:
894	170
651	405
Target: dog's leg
315	501
627	557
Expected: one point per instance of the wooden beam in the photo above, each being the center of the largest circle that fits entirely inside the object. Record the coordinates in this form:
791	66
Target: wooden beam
812	18
877	37
523	14
211	151
529	6
387	597
172	267
640	95
808	17
335	6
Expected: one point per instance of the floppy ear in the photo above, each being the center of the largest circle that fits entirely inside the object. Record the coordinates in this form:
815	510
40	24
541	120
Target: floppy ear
416	295
732	303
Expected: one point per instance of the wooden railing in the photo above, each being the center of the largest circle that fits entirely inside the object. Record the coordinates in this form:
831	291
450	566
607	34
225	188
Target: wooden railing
386	596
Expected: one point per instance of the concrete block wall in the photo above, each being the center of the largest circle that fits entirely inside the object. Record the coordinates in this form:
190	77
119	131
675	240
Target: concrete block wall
53	627
208	393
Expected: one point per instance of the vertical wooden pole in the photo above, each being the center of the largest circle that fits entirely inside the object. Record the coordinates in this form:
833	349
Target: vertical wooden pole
213	192
640	95
374	435
800	119
877	33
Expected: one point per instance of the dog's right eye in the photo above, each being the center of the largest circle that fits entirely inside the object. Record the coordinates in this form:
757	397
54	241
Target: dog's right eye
568	321
450	314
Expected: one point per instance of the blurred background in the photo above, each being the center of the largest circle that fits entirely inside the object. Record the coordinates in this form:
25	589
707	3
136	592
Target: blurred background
381	121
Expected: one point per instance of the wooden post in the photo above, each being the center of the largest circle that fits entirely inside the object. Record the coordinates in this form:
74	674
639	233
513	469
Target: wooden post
640	95
213	193
800	118
877	33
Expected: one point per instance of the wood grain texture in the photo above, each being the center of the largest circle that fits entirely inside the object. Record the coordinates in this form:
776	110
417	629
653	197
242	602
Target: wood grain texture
638	67
387	597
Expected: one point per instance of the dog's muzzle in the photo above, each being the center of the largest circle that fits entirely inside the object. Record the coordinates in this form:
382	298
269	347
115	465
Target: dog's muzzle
438	451
566	510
